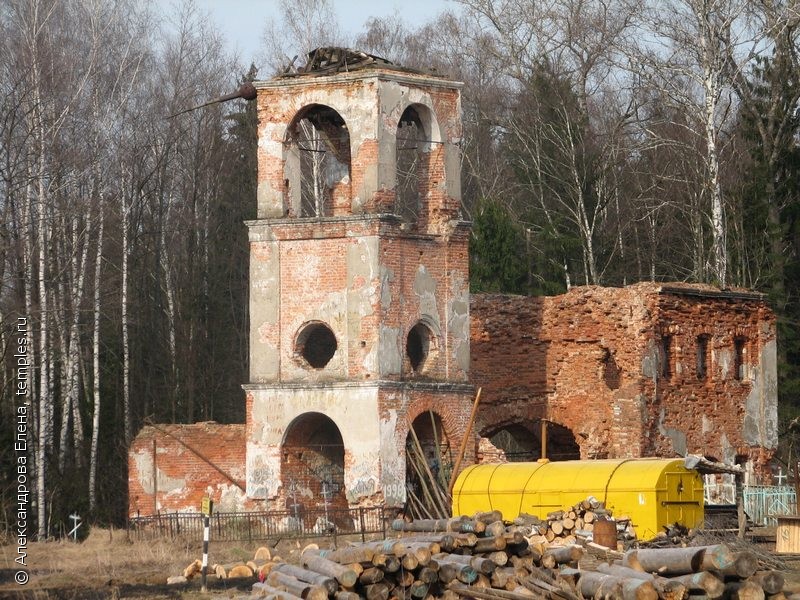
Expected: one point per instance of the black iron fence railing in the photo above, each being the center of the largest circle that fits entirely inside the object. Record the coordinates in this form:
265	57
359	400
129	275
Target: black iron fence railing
239	526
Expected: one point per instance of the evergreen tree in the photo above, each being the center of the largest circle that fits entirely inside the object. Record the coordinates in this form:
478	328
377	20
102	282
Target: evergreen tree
497	251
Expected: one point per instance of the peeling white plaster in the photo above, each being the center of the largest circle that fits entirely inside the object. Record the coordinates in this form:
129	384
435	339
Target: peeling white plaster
393	467
677	436
425	289
166	484
760	426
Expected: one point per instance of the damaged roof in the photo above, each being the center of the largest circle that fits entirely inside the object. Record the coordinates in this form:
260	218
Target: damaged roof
332	59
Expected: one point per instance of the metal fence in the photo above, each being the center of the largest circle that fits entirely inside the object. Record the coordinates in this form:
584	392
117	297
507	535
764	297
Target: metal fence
239	526
763	503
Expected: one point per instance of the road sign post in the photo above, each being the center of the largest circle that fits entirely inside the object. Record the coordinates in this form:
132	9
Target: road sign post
206	508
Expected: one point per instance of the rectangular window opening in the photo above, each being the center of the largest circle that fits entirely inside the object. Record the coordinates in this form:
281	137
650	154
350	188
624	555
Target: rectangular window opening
702	357
666	358
739	365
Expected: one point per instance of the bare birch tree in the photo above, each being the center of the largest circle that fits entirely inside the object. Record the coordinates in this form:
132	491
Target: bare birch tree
684	52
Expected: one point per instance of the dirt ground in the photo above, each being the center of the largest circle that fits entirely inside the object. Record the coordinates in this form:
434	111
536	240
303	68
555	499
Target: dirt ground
109	565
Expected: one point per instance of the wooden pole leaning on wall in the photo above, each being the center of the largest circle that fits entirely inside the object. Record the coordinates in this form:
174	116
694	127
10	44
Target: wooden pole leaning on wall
464	441
741	517
543	436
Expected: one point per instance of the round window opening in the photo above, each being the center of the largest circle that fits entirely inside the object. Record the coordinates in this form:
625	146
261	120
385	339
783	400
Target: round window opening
316	344
418	346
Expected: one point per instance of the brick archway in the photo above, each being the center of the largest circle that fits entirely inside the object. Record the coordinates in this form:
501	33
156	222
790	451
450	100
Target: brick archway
521	440
312	464
429	463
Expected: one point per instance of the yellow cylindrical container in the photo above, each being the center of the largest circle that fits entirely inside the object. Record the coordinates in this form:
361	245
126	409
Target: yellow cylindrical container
652	492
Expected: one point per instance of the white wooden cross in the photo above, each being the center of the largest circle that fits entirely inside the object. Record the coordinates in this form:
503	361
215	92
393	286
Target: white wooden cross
780	476
76	522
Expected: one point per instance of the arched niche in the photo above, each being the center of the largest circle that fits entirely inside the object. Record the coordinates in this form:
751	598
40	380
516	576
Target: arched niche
312	464
317	163
421	348
418	162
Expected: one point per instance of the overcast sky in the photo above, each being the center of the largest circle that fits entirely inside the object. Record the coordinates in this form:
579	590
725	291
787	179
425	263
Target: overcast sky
242	21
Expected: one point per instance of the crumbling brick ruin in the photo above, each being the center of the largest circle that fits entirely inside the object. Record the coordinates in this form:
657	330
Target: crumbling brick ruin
646	370
360	325
171	467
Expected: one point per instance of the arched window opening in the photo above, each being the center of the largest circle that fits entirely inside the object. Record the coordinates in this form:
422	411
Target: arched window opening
428	467
312	466
412	154
318	164
316	343
665	357
418	346
560	443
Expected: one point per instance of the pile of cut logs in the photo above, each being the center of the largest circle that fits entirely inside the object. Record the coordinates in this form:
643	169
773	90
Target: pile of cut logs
485	559
571	525
482	558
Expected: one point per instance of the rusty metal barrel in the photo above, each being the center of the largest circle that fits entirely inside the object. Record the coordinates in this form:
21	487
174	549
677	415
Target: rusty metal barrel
605	533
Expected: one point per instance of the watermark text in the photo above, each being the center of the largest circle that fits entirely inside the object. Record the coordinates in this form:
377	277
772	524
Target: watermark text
22	383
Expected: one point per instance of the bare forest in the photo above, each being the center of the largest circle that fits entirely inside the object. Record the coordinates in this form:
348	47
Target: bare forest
606	142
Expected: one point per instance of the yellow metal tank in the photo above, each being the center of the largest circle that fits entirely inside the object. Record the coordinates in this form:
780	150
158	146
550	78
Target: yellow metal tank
653	492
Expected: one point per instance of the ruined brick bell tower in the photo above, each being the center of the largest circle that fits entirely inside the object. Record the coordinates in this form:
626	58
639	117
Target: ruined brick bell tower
359	291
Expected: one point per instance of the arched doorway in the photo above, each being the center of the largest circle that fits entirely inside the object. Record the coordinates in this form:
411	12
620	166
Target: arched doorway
429	463
312	465
518	442
522	441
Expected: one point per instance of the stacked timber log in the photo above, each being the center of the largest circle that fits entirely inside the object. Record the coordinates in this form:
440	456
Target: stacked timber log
483	558
571	525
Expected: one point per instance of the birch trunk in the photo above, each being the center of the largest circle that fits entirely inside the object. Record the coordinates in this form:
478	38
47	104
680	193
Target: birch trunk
34	432
70	347
171	315
711	87
45	382
96	367
126	354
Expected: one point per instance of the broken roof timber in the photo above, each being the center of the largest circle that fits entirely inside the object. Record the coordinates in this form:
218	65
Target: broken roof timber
708	292
330	60
708	467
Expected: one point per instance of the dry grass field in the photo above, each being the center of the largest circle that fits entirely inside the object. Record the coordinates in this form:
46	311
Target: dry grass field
109	565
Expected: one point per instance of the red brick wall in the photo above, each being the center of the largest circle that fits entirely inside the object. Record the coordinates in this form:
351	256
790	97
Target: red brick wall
710	411
444	262
191	461
452	406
